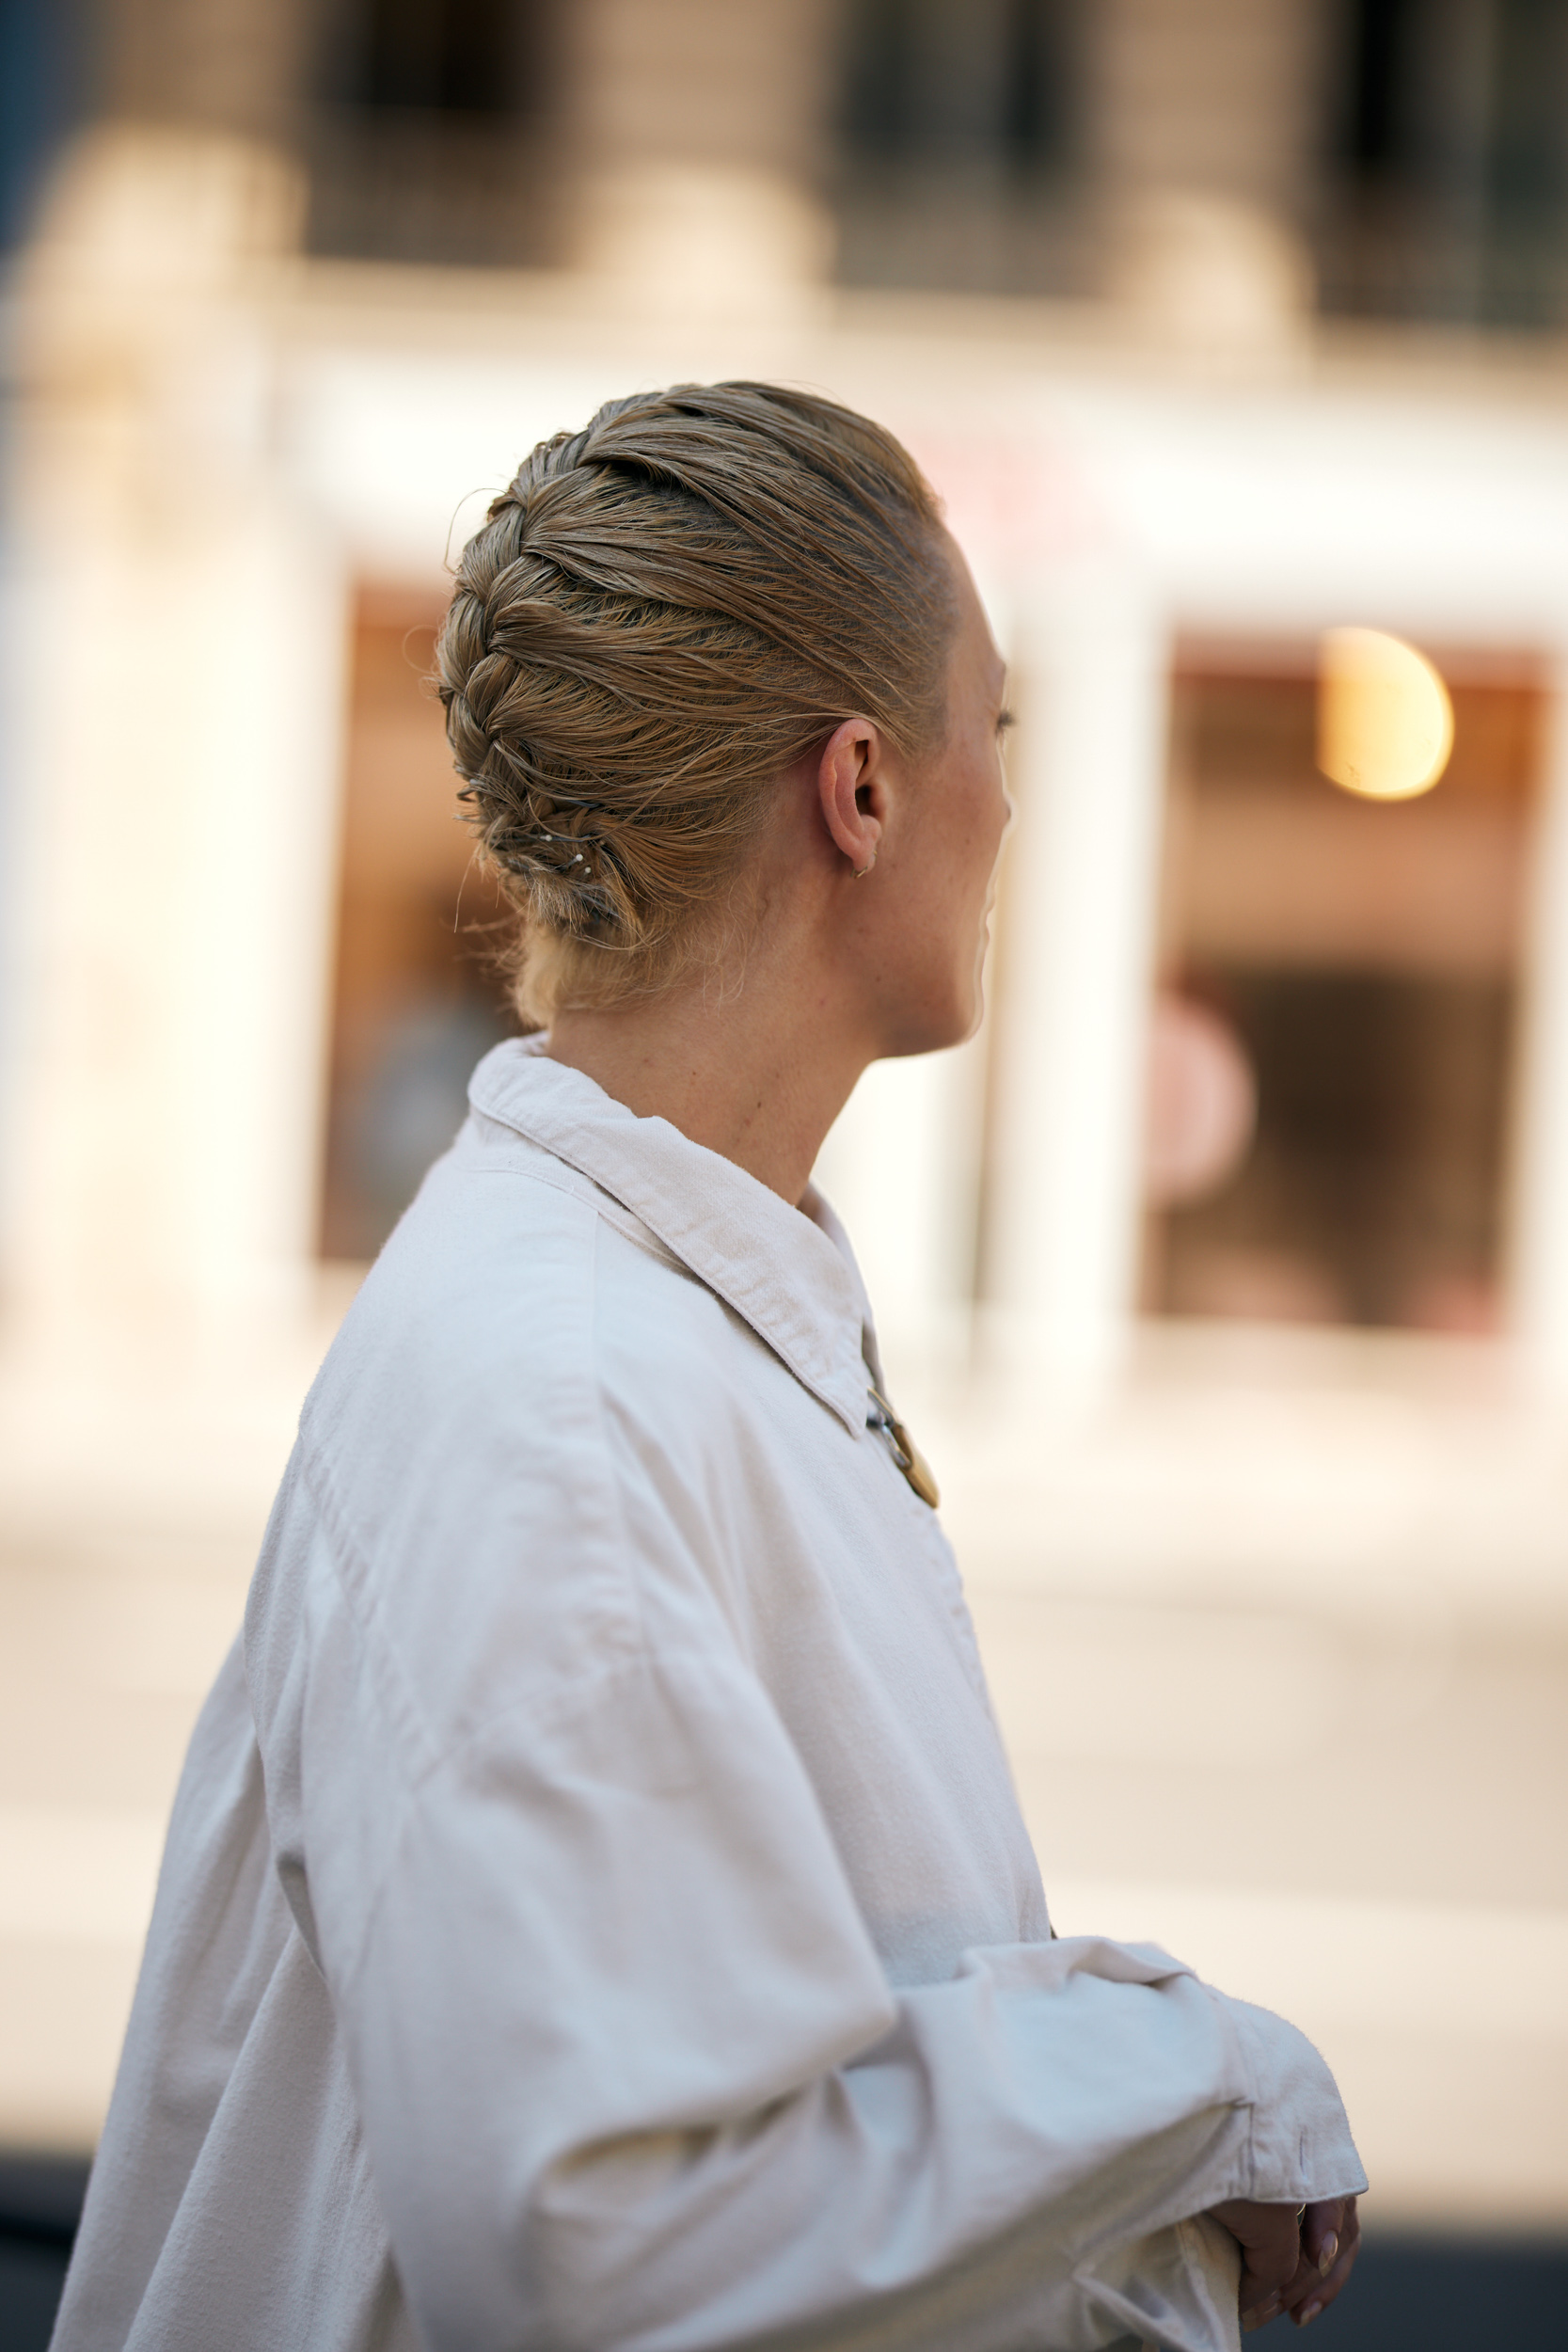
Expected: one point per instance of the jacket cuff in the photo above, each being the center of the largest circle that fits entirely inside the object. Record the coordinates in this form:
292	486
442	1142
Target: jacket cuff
1301	2148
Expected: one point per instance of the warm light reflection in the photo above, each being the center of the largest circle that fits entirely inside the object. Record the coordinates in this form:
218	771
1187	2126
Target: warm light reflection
1202	1103
1384	721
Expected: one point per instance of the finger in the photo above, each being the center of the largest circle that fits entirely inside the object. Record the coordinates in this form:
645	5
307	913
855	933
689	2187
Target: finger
1304	2283
1306	2271
1261	2279
1268	2282
1270	2253
1269	2236
1260	2314
1326	2289
1322	2229
1348	2243
1329	2234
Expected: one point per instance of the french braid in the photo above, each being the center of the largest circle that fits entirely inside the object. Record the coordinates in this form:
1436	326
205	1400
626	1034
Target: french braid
659	614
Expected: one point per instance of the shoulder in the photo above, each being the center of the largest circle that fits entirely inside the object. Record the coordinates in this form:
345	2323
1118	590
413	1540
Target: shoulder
517	1321
473	1330
449	1535
509	1446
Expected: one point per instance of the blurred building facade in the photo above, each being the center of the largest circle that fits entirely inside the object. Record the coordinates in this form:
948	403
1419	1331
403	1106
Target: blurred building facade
1218	324
1057	246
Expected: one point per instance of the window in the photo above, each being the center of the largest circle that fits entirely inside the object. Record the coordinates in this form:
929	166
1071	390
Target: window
1358	961
428	134
417	999
1450	153
957	142
928	81
445	57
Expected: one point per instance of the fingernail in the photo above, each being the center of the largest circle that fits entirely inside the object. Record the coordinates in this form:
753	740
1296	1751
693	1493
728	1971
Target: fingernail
1309	2315
1325	2260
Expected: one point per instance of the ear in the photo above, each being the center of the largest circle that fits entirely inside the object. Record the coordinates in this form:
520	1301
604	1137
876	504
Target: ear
852	792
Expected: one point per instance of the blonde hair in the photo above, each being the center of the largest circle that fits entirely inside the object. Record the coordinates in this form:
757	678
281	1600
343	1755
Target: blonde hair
660	615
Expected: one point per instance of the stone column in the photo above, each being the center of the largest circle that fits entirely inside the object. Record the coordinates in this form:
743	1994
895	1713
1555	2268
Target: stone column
901	1167
1538	1271
1078	958
1204	127
237	65
700	126
177	717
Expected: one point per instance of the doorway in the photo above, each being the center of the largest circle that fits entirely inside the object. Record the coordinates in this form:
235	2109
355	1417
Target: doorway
1342	975
418	996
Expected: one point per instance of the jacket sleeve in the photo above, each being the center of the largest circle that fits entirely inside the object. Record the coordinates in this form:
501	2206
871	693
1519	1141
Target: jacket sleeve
632	2074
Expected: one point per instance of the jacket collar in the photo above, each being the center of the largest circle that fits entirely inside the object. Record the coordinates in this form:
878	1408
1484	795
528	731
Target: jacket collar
789	1273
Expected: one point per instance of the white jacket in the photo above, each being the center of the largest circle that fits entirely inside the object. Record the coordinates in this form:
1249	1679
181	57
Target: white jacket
597	1912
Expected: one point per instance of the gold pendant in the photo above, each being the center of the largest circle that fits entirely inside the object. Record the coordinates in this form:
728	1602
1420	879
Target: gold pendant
917	1469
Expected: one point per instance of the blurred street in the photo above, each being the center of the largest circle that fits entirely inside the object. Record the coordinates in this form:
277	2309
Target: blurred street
1318	1750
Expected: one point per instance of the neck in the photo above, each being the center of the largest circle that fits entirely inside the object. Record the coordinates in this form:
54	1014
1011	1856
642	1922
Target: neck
757	1072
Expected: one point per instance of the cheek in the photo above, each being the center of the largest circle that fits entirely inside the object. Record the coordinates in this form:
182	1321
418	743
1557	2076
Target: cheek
990	812
959	850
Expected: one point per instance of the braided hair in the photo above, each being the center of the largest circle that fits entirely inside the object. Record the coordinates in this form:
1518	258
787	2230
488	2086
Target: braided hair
660	615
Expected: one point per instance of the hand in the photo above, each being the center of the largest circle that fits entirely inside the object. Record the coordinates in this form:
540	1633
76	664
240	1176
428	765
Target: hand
1290	2264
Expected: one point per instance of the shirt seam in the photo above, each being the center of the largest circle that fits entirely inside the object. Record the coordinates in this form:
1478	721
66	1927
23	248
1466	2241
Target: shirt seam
317	1476
1236	2034
342	1539
418	1757
631	1579
429	1759
453	1759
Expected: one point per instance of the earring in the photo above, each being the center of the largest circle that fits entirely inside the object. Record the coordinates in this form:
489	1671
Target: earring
859	873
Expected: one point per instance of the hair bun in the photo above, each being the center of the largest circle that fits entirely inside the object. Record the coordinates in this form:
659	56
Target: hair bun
661	613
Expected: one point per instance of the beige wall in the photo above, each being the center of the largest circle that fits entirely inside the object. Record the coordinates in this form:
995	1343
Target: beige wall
1204	123
736	82
696	131
226	65
1217	97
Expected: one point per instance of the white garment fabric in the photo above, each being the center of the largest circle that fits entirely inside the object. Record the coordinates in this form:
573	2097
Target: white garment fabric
597	1912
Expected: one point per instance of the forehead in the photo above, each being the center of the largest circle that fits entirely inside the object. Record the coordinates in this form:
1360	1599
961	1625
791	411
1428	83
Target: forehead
974	652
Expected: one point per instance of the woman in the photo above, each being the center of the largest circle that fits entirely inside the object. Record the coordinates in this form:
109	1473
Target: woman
596	1911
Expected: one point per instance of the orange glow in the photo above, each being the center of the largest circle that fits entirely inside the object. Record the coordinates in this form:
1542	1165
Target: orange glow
1384	719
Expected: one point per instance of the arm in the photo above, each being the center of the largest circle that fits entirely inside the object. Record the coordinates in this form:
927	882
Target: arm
632	2074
